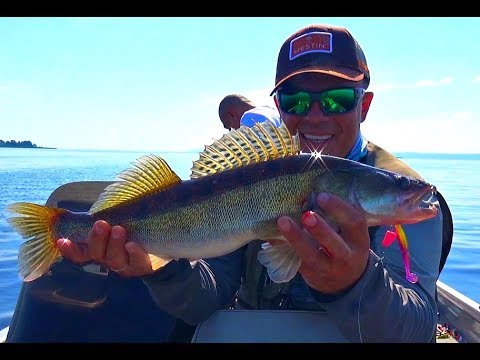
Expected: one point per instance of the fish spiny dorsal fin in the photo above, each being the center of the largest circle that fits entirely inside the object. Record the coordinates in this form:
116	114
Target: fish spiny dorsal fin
261	142
150	174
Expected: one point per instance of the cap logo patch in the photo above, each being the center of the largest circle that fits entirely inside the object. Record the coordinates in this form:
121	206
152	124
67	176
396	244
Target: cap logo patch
310	43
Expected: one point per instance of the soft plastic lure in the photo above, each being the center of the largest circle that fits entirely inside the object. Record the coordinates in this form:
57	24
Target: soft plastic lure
390	237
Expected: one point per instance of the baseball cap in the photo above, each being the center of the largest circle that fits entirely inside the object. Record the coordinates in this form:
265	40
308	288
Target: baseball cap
321	48
260	114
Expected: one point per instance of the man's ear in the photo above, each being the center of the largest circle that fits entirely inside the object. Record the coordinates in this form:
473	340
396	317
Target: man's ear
366	102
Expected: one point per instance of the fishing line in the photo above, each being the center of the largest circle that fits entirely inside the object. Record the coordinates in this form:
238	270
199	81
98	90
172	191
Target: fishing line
360	301
358	312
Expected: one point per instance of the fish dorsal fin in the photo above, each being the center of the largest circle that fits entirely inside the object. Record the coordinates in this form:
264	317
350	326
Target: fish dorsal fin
149	174
261	142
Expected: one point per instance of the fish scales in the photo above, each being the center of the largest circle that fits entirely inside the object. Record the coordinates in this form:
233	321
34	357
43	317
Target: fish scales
238	188
183	221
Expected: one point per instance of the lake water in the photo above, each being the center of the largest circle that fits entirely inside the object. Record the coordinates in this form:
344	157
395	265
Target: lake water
33	174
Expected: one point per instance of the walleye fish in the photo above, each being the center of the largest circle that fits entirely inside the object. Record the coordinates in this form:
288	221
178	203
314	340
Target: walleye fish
239	186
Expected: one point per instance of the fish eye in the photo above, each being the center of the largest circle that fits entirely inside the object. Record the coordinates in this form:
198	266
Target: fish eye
403	182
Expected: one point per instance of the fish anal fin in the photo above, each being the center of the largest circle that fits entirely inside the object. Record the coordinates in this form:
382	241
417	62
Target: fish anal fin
149	174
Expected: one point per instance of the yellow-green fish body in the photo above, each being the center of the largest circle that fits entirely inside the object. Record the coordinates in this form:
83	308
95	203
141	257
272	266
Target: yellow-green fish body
238	189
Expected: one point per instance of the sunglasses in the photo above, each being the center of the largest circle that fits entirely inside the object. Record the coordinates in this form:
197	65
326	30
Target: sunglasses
333	101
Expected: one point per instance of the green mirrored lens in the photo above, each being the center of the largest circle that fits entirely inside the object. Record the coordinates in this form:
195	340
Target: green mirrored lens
334	101
298	103
338	101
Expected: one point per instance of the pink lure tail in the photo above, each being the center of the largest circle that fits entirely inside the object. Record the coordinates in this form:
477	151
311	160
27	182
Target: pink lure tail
399	234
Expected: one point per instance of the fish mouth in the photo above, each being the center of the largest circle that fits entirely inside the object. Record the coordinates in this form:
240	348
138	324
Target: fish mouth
423	203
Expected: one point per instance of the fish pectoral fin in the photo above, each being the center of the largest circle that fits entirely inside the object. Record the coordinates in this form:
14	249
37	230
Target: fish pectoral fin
281	261
158	261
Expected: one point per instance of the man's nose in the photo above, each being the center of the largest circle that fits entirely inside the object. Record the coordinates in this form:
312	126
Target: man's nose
317	112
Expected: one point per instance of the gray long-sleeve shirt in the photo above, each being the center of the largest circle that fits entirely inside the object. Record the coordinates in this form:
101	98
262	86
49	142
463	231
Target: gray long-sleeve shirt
193	291
383	306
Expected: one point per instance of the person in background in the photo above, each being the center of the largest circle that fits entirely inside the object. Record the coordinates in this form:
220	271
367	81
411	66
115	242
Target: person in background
235	110
321	92
231	109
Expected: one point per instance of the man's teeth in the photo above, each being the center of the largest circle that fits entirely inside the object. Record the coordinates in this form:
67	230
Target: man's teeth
317	137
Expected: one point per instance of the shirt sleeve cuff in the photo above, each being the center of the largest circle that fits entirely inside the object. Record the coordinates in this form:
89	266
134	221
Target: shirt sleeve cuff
169	272
327	298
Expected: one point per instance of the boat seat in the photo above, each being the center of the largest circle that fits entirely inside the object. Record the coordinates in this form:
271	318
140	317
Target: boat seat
268	326
75	303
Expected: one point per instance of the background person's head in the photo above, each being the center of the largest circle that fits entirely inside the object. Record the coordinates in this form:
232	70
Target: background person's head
311	61
231	109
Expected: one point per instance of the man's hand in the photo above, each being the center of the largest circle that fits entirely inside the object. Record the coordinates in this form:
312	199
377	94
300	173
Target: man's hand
331	261
108	246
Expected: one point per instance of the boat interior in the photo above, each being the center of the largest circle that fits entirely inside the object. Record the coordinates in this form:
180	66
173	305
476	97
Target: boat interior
88	303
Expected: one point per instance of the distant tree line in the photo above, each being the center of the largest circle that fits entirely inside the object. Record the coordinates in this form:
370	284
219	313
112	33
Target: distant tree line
17	144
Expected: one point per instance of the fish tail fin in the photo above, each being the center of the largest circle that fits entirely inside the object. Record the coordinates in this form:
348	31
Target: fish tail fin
282	261
35	224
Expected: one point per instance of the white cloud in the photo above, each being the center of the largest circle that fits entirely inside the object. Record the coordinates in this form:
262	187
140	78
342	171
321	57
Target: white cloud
430	83
438	133
477	79
462	115
446	81
421	83
383	87
261	96
425	83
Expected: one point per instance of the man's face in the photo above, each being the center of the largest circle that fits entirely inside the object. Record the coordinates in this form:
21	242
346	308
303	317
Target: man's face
332	134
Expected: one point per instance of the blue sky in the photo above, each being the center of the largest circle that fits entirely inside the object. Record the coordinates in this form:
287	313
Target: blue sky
154	84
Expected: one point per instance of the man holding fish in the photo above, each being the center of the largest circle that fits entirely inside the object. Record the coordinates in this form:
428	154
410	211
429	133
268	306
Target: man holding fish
321	94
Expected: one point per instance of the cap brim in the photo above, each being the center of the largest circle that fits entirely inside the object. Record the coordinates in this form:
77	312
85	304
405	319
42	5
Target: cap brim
341	72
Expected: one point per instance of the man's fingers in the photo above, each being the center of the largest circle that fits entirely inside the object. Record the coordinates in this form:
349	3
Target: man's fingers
108	246
98	240
350	220
305	246
139	261
328	240
76	253
116	256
